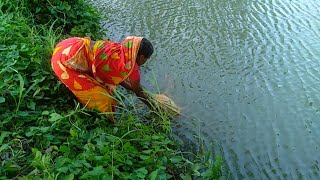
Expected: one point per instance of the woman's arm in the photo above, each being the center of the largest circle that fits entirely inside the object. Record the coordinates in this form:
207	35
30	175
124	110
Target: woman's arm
135	86
126	84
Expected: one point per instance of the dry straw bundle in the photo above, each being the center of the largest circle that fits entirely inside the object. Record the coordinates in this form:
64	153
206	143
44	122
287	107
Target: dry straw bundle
167	104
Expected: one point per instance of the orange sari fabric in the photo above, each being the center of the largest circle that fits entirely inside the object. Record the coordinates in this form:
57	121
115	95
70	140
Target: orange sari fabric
92	73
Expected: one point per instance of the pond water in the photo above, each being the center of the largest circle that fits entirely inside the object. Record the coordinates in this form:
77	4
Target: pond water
246	73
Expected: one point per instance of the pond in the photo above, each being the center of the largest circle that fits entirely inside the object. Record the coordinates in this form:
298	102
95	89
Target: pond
246	72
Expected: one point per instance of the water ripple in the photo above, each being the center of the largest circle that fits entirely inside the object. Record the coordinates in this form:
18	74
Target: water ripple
248	69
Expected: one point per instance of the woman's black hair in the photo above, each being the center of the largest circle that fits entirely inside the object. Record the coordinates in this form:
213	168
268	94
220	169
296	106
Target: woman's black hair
146	48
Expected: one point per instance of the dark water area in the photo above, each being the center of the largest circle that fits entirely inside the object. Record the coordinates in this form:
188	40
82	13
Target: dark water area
245	72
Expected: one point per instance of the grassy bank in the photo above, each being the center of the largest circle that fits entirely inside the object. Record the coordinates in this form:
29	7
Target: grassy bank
45	134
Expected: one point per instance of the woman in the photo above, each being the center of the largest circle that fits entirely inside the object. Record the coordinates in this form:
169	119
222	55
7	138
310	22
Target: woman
91	70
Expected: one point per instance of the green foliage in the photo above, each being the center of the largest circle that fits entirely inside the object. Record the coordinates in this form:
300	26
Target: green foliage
78	145
75	17
42	135
26	81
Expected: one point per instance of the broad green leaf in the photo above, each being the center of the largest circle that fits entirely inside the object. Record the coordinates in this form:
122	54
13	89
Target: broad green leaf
23	113
111	138
64	149
164	160
63	169
38	9
98	158
49	137
4	134
144	157
44	129
60	161
107	177
155	137
30	133
37	154
69	177
54	117
37	130
87	165
115	130
14	168
77	163
154	175
31	105
73	133
185	177
207	173
4	147
176	159
2	100
45	113
147	151
141	172
96	172
129	162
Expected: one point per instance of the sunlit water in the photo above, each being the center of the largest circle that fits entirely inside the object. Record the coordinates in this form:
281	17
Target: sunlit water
246	73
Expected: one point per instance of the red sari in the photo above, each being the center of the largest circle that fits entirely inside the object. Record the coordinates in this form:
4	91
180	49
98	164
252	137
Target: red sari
92	73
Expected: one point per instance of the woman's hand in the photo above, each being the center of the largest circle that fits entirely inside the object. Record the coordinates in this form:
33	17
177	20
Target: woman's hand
135	86
126	84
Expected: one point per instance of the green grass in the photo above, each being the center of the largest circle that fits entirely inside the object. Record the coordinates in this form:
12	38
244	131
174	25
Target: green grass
46	134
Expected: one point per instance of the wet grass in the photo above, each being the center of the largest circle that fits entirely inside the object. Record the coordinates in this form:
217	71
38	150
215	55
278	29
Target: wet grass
46	134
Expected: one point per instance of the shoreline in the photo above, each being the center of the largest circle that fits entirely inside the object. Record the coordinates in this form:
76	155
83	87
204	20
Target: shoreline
46	134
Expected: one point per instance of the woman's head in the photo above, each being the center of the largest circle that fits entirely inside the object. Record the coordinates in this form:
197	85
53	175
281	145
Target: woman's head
145	51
